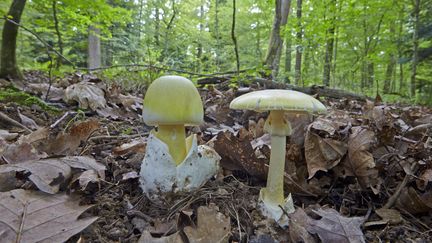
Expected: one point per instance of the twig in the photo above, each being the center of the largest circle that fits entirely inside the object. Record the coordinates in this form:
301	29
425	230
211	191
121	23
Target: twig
118	137
8	120
62	118
392	200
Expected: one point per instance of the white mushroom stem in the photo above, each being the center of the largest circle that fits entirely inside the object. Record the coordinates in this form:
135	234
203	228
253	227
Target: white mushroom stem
174	137
279	128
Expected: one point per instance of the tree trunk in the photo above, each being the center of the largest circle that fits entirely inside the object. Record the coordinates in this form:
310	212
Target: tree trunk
298	60
288	50
415	47
217	51
157	25
9	67
94	48
274	50
234	39
200	46
329	46
59	37
389	74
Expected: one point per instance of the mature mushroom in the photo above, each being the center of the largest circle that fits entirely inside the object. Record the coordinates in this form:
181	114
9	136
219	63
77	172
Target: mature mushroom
173	163
277	102
171	102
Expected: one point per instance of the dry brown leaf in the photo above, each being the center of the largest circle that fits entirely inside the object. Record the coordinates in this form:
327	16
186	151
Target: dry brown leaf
42	88
88	96
424	179
414	203
27	216
146	237
391	216
20	152
27	121
333	227
68	143
88	176
134	146
48	174
6	135
212	226
298	223
360	162
239	154
322	153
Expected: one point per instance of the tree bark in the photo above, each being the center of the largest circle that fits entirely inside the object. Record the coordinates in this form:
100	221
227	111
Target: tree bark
329	46
9	67
234	39
216	27
274	50
288	50
94	48
298	60
59	37
416	14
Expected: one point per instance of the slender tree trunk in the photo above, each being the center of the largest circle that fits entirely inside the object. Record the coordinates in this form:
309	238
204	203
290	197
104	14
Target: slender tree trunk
274	50
298	60
9	67
329	46
400	53
336	38
234	39
168	31
288	50
416	13
157	25
370	73
94	48
258	43
59	37
391	64
201	28
217	51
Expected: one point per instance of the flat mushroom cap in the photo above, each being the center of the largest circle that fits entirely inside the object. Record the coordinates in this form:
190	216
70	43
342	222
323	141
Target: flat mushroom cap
172	100
278	99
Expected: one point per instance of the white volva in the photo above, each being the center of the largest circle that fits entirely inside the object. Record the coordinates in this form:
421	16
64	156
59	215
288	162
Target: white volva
160	174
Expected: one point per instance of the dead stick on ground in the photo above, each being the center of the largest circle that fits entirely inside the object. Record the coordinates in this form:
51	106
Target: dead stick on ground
6	119
392	200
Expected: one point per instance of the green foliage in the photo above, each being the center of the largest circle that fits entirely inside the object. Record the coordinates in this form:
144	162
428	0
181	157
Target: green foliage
195	36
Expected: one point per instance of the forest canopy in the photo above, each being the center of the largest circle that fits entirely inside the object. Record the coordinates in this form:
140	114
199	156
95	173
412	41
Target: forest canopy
370	47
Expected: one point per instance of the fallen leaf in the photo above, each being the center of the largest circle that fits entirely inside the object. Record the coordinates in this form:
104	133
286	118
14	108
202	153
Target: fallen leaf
40	89
333	227
391	216
27	216
88	96
88	176
20	152
212	226
360	162
322	153
414	203
239	154
424	179
298	223
27	121
67	143
49	174
134	146
146	237
6	135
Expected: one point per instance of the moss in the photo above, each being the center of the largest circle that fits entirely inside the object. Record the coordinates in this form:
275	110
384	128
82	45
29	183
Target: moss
10	94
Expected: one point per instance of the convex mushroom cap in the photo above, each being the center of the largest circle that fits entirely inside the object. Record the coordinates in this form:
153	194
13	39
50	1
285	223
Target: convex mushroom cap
277	99
172	100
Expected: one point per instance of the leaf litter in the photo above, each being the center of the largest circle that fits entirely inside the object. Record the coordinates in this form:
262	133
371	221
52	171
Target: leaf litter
359	173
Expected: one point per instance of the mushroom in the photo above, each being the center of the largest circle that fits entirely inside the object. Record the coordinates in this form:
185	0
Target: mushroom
278	102
172	162
171	102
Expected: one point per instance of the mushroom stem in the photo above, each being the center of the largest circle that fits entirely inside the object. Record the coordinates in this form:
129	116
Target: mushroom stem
274	189
279	128
174	137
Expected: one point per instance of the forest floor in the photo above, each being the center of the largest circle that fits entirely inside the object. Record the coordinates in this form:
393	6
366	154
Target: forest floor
360	172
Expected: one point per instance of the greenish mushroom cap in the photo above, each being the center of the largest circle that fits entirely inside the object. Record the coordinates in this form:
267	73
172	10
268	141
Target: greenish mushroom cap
172	100
278	99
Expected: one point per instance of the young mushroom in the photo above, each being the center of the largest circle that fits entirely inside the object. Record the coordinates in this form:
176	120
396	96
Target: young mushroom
278	102
173	162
